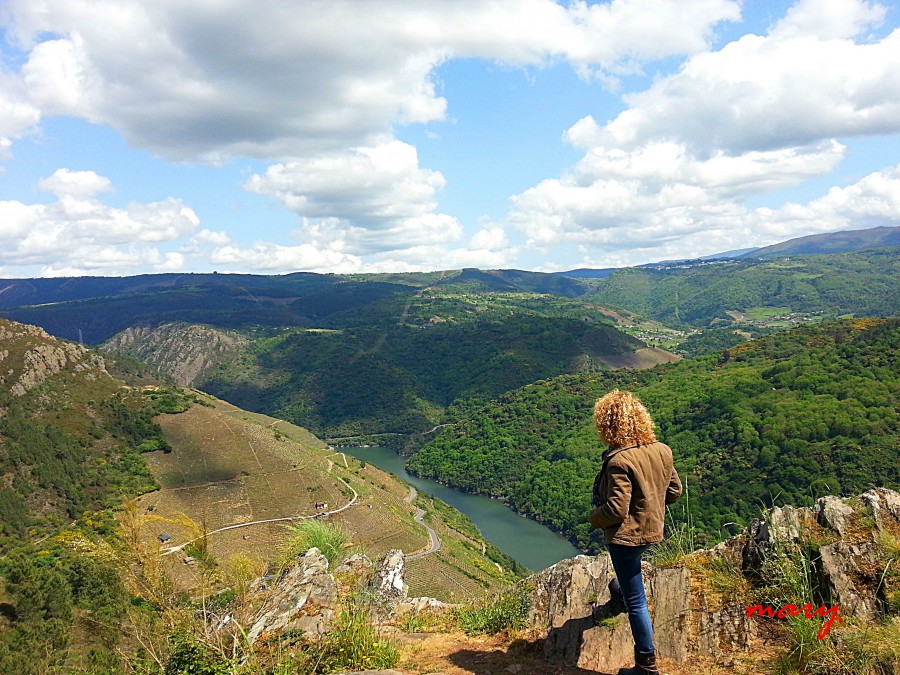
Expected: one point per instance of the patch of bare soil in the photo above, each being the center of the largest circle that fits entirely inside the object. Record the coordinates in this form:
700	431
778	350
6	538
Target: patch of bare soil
459	654
640	359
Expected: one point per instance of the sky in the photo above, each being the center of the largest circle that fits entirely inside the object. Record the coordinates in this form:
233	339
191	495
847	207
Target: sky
275	136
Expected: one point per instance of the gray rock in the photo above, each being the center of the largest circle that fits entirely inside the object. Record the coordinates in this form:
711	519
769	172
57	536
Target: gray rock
387	582
563	599
687	620
782	526
843	567
884	504
834	513
304	597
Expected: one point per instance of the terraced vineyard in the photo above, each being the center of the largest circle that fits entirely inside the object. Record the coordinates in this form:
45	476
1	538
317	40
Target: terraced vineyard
232	468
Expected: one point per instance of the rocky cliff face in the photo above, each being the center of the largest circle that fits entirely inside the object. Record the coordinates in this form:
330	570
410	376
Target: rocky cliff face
29	356
692	616
183	351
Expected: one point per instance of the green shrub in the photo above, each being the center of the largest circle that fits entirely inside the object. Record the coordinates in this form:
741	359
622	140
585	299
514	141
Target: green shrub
505	611
329	538
189	656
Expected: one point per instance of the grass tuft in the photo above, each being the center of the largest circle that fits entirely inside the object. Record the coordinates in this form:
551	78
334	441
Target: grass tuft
329	538
505	611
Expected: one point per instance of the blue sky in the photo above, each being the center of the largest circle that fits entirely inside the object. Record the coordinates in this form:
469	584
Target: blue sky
363	135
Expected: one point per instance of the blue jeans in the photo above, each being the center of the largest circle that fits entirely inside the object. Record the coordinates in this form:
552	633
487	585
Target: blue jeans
626	561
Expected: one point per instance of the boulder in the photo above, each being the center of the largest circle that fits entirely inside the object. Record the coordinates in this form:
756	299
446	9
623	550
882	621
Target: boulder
304	597
885	506
833	513
387	582
571	602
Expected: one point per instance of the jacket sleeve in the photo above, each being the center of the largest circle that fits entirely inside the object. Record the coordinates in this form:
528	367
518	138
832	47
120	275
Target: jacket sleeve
673	492
615	510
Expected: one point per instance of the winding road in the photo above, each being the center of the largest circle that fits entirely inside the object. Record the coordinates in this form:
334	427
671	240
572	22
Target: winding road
176	549
419	517
435	540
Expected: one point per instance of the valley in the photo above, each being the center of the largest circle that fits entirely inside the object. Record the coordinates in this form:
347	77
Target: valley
235	480
172	470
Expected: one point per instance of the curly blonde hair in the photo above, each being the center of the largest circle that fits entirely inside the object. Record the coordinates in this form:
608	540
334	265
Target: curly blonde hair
622	420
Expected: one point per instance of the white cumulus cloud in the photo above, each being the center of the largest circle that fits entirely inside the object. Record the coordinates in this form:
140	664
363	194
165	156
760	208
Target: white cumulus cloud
362	201
275	79
79	232
668	176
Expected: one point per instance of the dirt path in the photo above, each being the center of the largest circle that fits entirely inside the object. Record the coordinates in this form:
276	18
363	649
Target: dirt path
435	540
235	526
459	654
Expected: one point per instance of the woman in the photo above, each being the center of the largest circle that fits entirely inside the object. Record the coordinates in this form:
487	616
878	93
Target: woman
636	481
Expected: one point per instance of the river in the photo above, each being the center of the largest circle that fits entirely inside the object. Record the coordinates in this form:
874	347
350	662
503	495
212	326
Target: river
527	541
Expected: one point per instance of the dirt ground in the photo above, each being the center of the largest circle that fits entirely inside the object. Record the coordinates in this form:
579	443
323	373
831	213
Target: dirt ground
459	654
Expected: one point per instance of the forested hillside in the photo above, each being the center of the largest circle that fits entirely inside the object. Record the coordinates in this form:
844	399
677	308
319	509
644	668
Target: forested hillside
86	583
399	378
865	283
782	419
71	440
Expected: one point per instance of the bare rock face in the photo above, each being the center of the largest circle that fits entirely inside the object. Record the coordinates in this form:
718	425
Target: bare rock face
843	565
884	504
563	597
304	598
39	357
183	351
388	583
834	513
583	627
687	619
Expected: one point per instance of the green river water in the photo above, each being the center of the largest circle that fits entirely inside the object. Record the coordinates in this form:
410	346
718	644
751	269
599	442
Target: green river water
527	541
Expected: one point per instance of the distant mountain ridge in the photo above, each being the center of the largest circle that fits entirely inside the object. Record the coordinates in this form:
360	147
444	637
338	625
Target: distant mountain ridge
863	283
828	242
831	242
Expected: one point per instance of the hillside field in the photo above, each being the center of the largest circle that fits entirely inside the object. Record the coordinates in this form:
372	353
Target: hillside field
230	467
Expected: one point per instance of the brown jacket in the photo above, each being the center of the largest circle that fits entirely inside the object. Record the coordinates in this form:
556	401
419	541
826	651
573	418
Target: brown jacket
632	489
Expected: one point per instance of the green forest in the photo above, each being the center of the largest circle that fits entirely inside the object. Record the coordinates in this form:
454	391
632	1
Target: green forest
785	418
382	377
863	283
70	454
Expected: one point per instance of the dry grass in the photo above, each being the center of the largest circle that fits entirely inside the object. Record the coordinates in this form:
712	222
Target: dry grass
229	466
641	359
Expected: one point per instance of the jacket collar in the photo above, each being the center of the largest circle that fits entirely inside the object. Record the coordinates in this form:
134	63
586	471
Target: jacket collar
611	452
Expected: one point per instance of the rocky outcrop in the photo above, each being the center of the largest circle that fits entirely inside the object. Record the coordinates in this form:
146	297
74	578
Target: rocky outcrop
691	616
572	604
388	582
31	356
304	598
183	351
